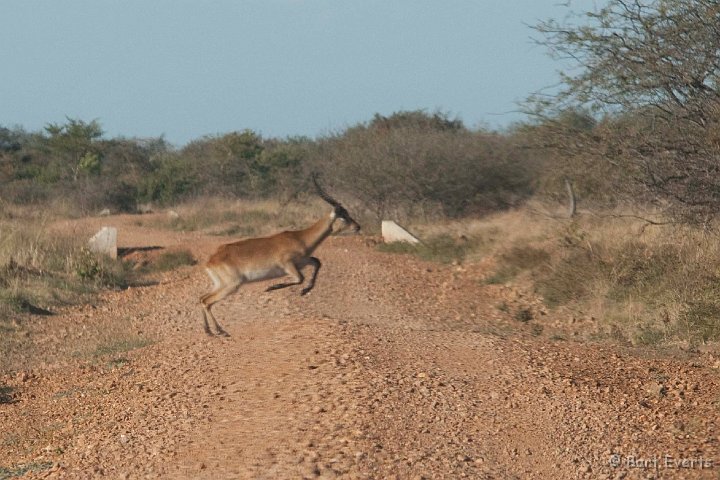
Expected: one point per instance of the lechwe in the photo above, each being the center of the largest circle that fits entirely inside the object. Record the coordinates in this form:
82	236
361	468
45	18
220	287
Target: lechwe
284	253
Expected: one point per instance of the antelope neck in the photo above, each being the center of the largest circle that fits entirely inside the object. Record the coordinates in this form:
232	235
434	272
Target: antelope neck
319	231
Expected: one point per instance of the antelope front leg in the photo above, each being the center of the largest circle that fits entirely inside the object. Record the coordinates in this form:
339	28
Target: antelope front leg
293	272
316	265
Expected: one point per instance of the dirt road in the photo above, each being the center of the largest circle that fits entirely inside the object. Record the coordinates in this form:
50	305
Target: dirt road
390	368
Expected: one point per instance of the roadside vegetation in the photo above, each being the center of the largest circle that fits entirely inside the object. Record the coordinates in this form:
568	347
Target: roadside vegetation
633	283
40	270
238	217
633	130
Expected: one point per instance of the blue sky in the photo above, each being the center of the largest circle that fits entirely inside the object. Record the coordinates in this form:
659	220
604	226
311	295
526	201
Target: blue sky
184	69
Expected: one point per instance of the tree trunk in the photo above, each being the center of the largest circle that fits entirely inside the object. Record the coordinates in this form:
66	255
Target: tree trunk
572	206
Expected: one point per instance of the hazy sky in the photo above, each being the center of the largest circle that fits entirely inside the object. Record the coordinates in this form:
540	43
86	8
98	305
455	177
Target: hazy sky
184	68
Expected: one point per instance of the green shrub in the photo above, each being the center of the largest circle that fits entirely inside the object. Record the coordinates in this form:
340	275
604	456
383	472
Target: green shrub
637	269
21	470
5	394
571	279
243	220
648	334
39	271
413	163
172	179
440	248
101	270
516	260
523	315
172	260
121	345
700	321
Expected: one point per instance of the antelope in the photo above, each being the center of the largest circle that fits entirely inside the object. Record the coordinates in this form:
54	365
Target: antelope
258	259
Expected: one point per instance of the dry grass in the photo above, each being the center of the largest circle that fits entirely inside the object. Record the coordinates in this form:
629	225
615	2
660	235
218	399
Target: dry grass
242	218
646	286
642	285
169	260
21	470
439	248
492	234
39	271
120	344
42	271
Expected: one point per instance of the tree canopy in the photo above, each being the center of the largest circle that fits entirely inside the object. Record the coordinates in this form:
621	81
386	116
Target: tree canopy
647	73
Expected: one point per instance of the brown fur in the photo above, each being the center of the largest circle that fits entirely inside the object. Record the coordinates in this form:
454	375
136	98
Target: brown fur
257	259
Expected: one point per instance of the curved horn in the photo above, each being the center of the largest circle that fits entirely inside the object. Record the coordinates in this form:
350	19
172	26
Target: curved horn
322	192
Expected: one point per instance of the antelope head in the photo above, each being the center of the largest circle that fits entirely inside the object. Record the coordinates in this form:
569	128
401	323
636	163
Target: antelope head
282	254
339	212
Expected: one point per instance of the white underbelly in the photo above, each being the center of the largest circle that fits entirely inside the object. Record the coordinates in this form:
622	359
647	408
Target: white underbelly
264	274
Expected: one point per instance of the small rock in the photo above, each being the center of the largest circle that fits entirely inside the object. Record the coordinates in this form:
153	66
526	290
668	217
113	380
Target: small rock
656	389
312	471
104	242
144	208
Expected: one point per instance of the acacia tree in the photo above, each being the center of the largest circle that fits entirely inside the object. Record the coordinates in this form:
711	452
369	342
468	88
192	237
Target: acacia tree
648	71
75	141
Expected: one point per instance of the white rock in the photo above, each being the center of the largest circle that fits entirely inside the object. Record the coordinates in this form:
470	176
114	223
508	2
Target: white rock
105	242
145	208
392	232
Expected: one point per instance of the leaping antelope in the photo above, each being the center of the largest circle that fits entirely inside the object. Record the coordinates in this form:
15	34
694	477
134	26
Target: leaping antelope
257	259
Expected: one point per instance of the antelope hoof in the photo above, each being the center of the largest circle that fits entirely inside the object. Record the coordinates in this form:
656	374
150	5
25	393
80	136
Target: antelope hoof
305	290
222	333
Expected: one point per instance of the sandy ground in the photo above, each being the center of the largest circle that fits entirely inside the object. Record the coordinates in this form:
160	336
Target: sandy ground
389	368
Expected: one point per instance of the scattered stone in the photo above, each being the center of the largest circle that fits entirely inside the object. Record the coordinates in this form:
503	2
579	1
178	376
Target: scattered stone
657	389
440	401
